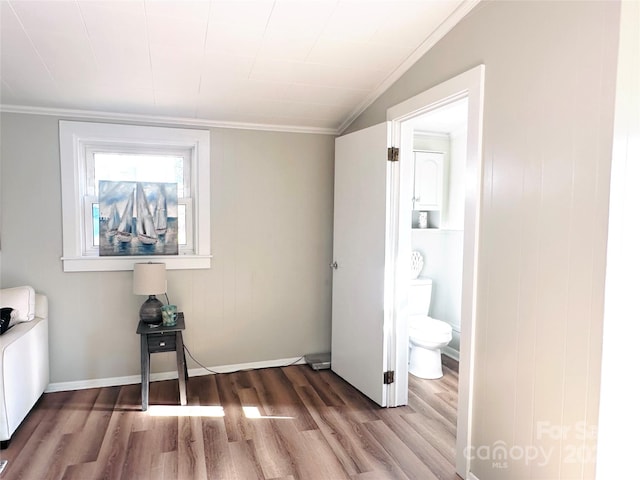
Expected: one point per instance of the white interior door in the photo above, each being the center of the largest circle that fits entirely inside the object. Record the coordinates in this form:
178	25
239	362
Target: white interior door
358	343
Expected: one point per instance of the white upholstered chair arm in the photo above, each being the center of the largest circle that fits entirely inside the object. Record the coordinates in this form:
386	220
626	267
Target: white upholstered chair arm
42	306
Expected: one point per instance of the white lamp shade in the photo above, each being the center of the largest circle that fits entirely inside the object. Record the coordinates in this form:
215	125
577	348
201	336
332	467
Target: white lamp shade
149	278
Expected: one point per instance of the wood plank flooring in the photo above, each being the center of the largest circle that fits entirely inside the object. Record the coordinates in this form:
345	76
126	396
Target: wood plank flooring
274	423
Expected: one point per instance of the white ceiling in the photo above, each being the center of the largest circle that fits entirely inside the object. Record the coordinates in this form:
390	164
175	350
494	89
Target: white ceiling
296	65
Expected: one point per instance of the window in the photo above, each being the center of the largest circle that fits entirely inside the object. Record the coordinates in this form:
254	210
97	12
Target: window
121	164
91	152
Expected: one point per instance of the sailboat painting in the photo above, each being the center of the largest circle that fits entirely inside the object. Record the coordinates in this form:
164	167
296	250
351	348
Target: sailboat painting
138	218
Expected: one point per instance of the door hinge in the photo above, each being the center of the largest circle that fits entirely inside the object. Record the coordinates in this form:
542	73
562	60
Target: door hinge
389	377
393	153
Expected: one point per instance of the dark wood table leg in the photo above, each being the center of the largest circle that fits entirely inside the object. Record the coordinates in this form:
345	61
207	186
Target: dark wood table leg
182	383
144	363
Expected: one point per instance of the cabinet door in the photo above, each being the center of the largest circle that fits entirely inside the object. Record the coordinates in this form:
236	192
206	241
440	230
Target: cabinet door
428	180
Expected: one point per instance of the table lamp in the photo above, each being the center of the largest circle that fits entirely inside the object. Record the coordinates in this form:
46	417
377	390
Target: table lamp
150	279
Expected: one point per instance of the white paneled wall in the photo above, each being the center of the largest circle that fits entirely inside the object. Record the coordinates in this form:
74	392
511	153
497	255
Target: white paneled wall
547	156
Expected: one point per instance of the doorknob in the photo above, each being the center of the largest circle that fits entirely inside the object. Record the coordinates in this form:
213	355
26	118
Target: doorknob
334	265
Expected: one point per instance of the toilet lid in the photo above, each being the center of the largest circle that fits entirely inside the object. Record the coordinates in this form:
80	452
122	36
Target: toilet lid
423	325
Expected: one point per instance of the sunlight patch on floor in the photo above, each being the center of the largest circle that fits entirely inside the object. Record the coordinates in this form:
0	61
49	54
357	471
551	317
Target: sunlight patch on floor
205	411
186	411
254	412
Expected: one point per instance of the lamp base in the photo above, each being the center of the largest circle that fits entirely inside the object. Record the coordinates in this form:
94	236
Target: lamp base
151	310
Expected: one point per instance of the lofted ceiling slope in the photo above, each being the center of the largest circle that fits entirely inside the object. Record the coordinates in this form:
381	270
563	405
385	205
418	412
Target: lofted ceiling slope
297	65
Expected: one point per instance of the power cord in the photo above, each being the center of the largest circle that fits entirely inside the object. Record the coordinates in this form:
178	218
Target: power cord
217	373
239	370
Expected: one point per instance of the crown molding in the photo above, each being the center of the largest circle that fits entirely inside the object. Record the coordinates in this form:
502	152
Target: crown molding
445	27
154	119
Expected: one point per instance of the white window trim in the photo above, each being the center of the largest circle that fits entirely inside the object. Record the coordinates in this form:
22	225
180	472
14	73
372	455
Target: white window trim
74	136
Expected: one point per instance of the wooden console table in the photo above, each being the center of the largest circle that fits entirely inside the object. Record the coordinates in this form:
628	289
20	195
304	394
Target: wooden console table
160	338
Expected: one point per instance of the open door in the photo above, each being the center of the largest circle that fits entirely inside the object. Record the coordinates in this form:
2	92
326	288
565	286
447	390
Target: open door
361	198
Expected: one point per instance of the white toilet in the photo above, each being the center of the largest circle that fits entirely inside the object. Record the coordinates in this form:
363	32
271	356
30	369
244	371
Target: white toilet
426	335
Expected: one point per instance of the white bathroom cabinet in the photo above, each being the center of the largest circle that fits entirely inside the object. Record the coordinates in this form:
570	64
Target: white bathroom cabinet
428	181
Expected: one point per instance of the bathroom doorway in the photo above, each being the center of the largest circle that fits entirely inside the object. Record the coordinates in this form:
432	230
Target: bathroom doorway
440	141
437	223
423	113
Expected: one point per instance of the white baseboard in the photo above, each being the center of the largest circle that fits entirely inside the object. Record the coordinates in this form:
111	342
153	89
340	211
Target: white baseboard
451	353
193	372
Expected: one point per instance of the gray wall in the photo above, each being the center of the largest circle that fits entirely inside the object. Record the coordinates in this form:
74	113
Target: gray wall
266	297
549	96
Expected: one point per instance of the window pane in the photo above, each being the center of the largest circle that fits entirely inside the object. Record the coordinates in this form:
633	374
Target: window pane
95	215
182	224
132	167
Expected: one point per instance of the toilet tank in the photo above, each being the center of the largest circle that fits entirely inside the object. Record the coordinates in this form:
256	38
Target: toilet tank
420	296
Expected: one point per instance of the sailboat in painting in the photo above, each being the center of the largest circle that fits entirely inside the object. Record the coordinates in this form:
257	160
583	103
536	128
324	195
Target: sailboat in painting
144	225
161	213
113	222
124	232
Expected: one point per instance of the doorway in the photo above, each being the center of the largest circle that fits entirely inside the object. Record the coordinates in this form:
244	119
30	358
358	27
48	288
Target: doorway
467	87
440	141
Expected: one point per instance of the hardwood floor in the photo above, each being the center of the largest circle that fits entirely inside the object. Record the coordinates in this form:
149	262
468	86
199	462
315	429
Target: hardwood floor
275	423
